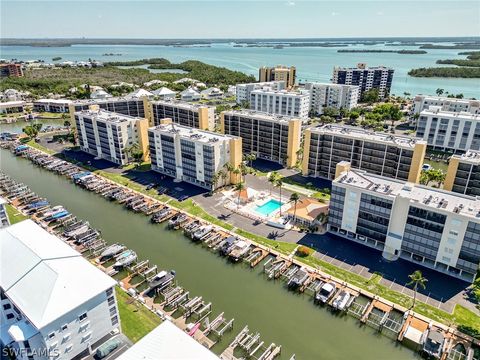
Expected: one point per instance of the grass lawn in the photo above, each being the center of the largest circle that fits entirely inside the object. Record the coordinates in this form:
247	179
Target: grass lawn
36	145
136	320
13	215
460	316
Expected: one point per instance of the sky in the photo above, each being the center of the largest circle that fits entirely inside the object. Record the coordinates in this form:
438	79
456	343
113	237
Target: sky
237	18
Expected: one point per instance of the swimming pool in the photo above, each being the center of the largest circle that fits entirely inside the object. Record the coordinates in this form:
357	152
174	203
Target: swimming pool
269	207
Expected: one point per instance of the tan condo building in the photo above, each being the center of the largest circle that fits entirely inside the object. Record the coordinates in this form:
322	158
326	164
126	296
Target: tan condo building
463	174
398	157
278	73
270	137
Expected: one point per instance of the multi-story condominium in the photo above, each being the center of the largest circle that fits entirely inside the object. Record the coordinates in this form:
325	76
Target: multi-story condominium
52	105
130	106
463	174
270	137
398	157
4	221
193	155
435	228
243	91
108	135
183	113
423	102
278	73
7	70
282	102
449	131
337	96
11	107
54	303
366	78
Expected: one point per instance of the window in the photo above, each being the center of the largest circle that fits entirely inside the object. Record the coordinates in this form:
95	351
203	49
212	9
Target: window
51	335
115	320
68	348
64	327
446	259
82	317
7	306
66	338
454	233
10	316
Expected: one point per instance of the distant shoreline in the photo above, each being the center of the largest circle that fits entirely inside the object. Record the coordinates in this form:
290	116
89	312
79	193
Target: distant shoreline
57	42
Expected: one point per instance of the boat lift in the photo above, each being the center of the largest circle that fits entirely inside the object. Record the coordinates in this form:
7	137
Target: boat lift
218	326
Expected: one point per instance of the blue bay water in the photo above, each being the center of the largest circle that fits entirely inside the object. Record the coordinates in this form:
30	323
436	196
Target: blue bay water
313	63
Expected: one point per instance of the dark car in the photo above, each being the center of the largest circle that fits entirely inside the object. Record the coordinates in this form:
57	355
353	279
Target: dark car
183	197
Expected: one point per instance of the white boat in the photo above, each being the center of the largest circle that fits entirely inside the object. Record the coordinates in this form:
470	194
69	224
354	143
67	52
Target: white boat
204	230
79	230
341	300
54	210
112	250
325	292
125	258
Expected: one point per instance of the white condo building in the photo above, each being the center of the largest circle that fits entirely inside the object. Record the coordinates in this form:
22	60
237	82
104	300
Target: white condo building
193	155
282	102
423	102
447	130
435	228
243	91
337	96
54	303
108	135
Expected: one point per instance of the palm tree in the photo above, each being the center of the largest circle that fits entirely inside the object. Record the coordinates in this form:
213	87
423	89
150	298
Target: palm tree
294	197
237	172
223	175
279	183
215	179
272	179
439	91
417	279
239	187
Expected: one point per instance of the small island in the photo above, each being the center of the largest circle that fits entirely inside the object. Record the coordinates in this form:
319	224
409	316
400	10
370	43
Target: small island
111	54
56	58
382	51
466	68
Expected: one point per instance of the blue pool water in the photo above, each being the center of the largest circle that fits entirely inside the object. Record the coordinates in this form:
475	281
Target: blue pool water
269	207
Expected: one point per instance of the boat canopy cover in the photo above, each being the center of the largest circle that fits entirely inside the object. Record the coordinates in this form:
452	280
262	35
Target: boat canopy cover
82	174
21	147
60	214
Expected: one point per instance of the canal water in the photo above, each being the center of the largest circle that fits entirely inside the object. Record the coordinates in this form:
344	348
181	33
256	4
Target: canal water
283	317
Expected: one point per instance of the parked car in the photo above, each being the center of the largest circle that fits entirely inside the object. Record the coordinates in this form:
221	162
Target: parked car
107	347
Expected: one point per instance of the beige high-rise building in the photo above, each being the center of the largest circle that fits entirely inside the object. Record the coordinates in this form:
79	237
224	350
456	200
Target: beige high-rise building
278	73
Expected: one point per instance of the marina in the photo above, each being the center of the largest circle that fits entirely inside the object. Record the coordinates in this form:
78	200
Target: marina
308	283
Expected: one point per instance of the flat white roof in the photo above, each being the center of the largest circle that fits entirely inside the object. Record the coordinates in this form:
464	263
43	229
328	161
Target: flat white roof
107	116
43	276
167	341
436	199
368	135
11	104
180	104
280	92
53	101
191	133
438	112
471	156
260	115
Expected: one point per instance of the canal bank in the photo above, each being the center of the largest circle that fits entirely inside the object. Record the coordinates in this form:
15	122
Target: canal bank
285	318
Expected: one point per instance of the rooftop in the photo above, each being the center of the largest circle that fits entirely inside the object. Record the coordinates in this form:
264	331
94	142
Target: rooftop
471	156
107	116
269	90
167	341
53	101
438	200
363	134
51	280
445	99
263	83
180	104
437	110
11	103
191	133
308	209
260	115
